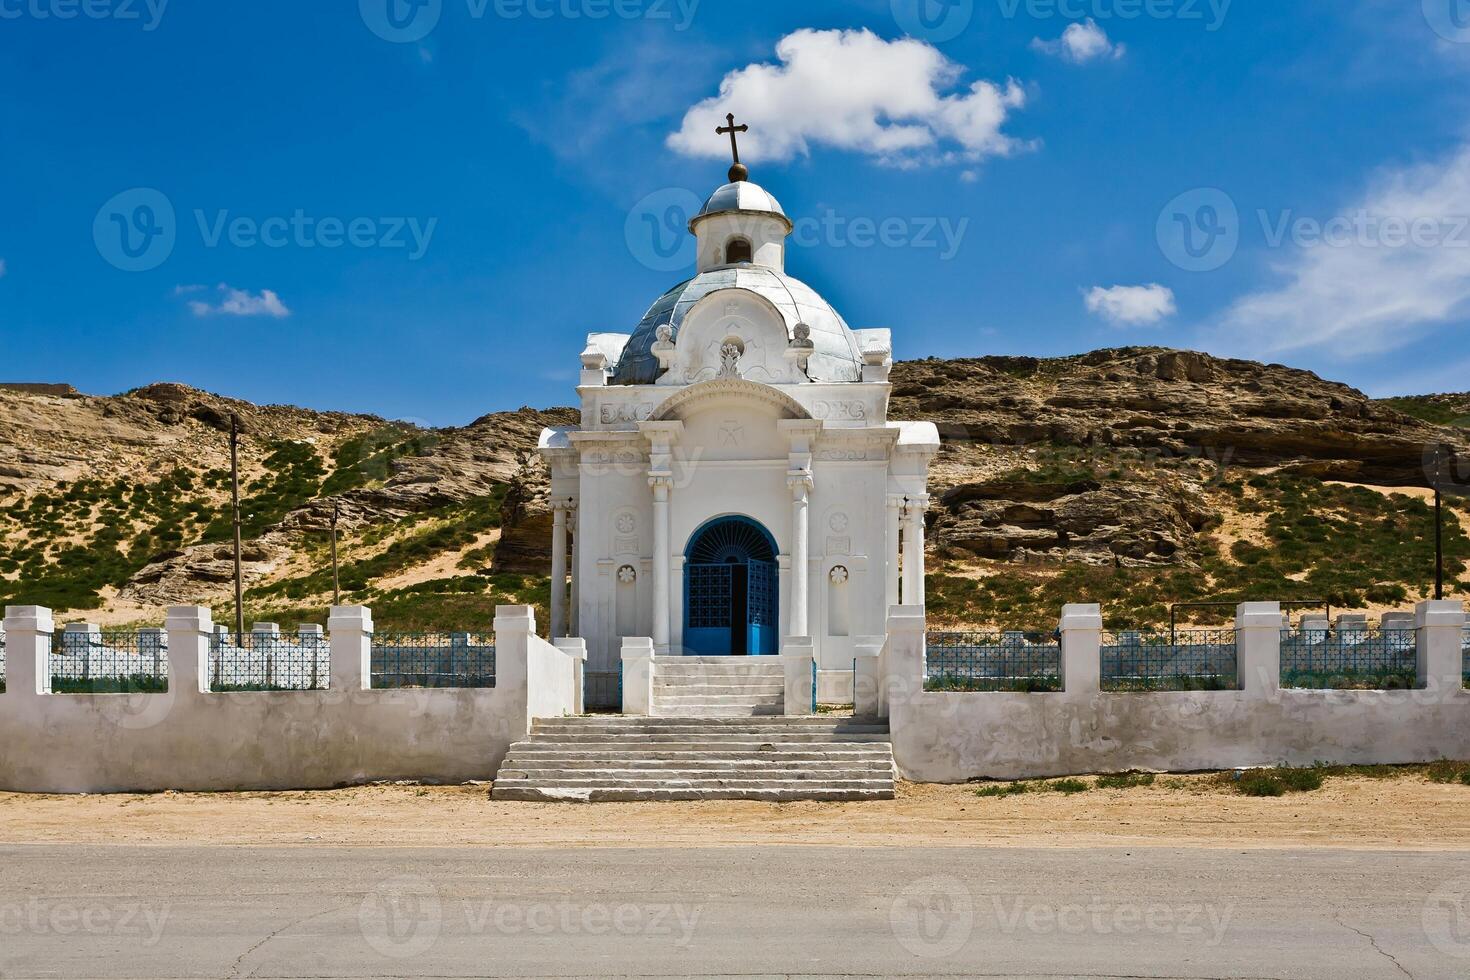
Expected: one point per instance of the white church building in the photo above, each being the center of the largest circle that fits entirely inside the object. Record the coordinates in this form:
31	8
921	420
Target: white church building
735	487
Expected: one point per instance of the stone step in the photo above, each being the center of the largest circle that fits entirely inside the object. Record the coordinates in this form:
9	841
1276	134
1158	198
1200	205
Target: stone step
754	744
556	774
771	663
719	683
535	760
541	757
660	782
549	793
718	700
795	722
722	740
716	726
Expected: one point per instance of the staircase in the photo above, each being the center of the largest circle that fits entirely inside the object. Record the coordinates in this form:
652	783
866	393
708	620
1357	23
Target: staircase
619	757
718	687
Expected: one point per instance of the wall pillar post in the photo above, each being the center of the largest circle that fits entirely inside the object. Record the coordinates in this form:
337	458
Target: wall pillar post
558	569
1258	649
903	665
1440	657
28	632
913	551
190	631
351	650
797	660
1081	657
576	648
638	657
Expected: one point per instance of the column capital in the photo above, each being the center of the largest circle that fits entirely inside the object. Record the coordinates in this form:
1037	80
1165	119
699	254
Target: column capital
800	484
916	503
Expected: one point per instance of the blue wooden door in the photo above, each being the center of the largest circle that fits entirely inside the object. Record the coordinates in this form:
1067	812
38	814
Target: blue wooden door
707	601
761	608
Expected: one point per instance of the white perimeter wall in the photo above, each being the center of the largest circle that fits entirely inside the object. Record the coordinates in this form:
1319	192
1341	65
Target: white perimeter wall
189	739
953	737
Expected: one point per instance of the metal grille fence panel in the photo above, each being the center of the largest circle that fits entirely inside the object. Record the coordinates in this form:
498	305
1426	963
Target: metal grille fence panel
1370	659
602	689
109	662
433	660
1186	660
2	661
1464	649
266	661
1017	661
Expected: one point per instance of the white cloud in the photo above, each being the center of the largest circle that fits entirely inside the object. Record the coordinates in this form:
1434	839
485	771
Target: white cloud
1081	43
899	101
1132	305
238	302
1370	282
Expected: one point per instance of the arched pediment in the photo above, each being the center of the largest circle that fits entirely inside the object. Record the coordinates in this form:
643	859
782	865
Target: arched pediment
688	400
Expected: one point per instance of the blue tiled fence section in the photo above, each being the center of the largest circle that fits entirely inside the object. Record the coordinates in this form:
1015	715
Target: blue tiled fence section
1186	660
111	661
270	661
2	661
1362	659
1003	661
433	660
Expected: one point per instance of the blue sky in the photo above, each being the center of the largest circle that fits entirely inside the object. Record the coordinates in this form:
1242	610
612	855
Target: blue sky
426	227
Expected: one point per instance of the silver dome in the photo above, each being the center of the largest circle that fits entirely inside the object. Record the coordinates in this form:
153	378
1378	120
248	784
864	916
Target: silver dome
742	195
835	356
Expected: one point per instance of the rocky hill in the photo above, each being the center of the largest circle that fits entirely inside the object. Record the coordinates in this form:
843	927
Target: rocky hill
1136	477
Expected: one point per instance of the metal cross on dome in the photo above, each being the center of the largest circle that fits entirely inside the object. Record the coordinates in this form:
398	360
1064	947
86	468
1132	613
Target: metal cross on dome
732	129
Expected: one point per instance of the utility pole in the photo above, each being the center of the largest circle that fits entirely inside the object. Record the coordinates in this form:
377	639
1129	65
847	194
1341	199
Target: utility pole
336	584
235	507
1438	526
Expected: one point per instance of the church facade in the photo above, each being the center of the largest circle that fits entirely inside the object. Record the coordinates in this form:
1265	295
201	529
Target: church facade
735	485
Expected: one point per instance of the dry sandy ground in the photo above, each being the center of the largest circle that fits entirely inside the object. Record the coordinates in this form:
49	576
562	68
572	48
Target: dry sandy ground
1408	812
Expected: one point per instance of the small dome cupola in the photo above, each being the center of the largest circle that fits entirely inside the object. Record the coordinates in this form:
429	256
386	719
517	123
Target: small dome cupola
741	223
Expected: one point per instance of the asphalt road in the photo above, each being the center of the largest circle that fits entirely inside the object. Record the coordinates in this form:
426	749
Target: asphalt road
771	911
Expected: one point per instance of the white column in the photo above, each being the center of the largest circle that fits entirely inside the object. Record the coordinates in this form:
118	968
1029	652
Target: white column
661	486
351	648
894	527
1441	624
638	657
800	554
558	570
575	627
913	551
28	632
1081	654
1258	649
189	631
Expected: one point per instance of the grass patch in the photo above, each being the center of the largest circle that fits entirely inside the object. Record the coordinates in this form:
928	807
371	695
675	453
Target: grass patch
1068	786
1002	790
1127	780
1274	782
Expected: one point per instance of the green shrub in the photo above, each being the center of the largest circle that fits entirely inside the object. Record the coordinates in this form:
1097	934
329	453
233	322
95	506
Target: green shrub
1127	780
1068	786
1002	790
